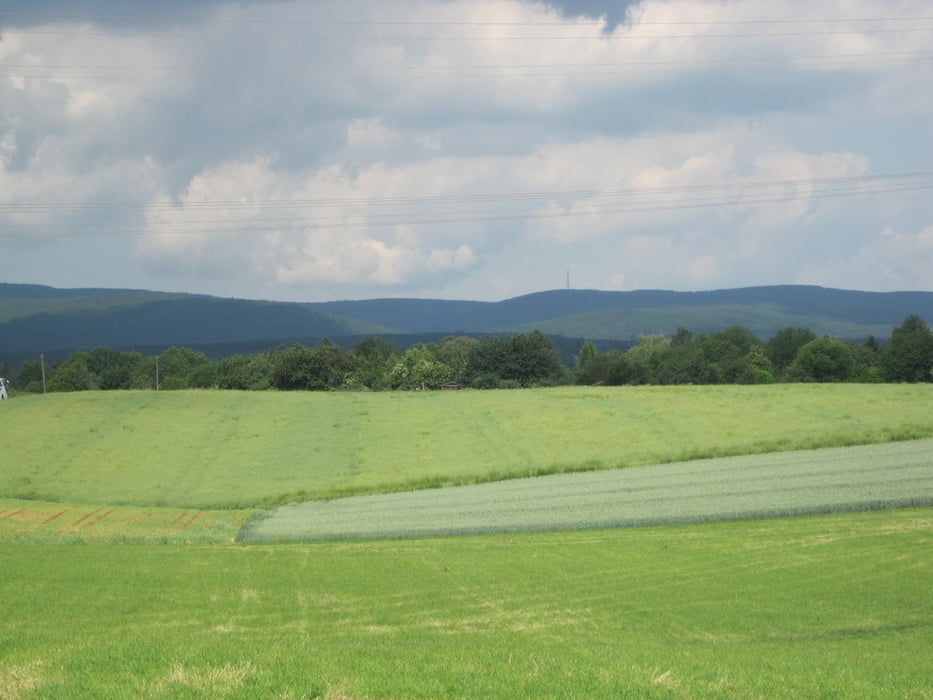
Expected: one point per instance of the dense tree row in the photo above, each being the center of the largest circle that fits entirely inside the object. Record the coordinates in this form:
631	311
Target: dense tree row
737	356
732	356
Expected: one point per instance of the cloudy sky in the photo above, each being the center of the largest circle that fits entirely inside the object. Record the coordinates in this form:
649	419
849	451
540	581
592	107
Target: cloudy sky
477	149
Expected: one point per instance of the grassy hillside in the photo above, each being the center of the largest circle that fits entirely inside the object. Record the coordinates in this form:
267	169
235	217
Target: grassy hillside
212	449
829	607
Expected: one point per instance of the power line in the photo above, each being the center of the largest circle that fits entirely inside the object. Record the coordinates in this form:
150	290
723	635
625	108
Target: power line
55	71
923	177
470	23
738	198
378	37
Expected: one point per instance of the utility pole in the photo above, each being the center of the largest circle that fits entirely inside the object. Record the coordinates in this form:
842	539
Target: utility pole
42	362
157	372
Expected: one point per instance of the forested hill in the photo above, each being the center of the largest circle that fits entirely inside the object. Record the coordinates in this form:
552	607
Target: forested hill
818	306
36	319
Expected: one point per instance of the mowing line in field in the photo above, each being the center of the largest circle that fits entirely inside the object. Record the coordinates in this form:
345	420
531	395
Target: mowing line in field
868	477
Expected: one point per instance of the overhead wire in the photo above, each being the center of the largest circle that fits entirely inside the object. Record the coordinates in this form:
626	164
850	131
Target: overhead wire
922	176
495	23
49	24
722	195
416	71
414	37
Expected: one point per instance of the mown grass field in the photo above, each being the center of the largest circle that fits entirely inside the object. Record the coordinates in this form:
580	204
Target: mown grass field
126	582
212	449
826	607
25	521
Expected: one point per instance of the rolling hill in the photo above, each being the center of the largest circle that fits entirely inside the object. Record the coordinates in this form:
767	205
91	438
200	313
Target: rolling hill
36	318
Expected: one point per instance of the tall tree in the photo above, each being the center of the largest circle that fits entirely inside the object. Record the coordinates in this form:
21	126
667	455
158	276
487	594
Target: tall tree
909	355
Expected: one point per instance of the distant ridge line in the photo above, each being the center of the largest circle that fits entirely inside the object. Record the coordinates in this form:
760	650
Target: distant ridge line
37	318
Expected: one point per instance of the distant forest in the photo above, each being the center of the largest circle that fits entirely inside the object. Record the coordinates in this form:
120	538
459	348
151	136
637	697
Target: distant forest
731	356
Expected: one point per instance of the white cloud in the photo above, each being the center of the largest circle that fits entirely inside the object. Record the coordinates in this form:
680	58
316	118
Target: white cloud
357	165
887	261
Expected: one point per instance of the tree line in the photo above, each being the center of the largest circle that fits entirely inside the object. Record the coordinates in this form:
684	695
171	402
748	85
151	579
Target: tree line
731	356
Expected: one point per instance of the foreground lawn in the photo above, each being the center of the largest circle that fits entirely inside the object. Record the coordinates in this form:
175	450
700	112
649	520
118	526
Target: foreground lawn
818	607
211	449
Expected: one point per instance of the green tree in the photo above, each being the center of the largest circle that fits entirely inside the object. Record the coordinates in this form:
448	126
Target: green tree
651	355
519	360
534	360
176	364
619	368
758	367
113	369
72	375
292	368
324	367
144	373
331	366
245	372
375	358
741	337
822	360
588	356
454	351
784	346
908	357
867	358
203	376
29	377
419	368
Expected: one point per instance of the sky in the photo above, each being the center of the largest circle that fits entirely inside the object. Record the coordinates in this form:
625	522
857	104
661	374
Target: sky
311	150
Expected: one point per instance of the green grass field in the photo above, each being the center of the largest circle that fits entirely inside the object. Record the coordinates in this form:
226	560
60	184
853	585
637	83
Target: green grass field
828	607
215	449
125	580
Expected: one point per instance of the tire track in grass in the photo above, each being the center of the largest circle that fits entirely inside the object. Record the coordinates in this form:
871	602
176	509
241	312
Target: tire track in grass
805	482
41	523
73	528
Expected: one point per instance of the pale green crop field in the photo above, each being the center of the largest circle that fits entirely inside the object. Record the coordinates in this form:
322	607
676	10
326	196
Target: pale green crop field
828	480
212	449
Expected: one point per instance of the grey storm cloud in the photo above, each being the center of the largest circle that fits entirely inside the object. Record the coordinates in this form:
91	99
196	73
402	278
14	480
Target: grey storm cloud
613	12
137	13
